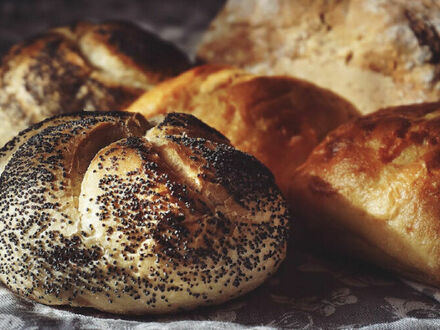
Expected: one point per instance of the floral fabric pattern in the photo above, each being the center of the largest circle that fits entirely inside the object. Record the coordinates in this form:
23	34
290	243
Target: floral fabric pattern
308	292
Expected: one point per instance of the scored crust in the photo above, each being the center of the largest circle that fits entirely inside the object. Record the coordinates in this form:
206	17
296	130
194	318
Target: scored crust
83	66
371	189
108	211
279	120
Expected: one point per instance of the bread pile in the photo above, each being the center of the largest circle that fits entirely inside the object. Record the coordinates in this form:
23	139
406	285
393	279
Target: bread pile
374	53
279	120
151	210
370	189
83	66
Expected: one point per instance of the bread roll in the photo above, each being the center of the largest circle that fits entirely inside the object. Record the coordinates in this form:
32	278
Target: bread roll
278	120
374	53
106	210
371	189
81	66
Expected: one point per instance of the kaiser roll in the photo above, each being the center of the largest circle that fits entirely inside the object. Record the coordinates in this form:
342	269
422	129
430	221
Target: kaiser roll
109	211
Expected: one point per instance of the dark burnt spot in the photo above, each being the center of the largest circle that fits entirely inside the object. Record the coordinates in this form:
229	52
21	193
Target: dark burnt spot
426	34
348	57
391	148
403	126
408	111
367	124
433	161
146	49
393	139
434	140
418	137
320	187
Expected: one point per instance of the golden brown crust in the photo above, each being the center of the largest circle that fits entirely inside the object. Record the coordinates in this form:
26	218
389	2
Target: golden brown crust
374	53
277	119
374	183
82	66
97	213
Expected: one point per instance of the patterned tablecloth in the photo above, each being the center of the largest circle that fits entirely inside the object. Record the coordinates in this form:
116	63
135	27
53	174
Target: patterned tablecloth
307	292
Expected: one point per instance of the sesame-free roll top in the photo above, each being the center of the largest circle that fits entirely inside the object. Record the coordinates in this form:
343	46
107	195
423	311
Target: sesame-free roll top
371	189
113	212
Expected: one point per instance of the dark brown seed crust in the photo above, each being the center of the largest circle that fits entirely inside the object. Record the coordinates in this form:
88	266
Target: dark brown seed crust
95	213
83	66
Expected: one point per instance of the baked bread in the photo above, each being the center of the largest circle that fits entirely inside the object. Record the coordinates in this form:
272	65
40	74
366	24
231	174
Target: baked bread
278	120
83	66
107	210
374	53
371	189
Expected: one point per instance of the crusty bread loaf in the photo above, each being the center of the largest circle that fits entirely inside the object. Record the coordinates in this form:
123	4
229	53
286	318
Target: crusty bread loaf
107	210
279	120
371	189
373	53
82	66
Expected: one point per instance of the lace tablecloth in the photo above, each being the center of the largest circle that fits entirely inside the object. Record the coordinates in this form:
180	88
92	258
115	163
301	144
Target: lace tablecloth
307	292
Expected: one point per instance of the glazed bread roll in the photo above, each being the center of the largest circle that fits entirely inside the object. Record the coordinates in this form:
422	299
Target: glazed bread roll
374	53
109	211
278	120
81	66
371	189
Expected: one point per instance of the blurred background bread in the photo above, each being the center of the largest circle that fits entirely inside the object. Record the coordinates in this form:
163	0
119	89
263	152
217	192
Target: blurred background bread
373	53
372	189
279	120
82	66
